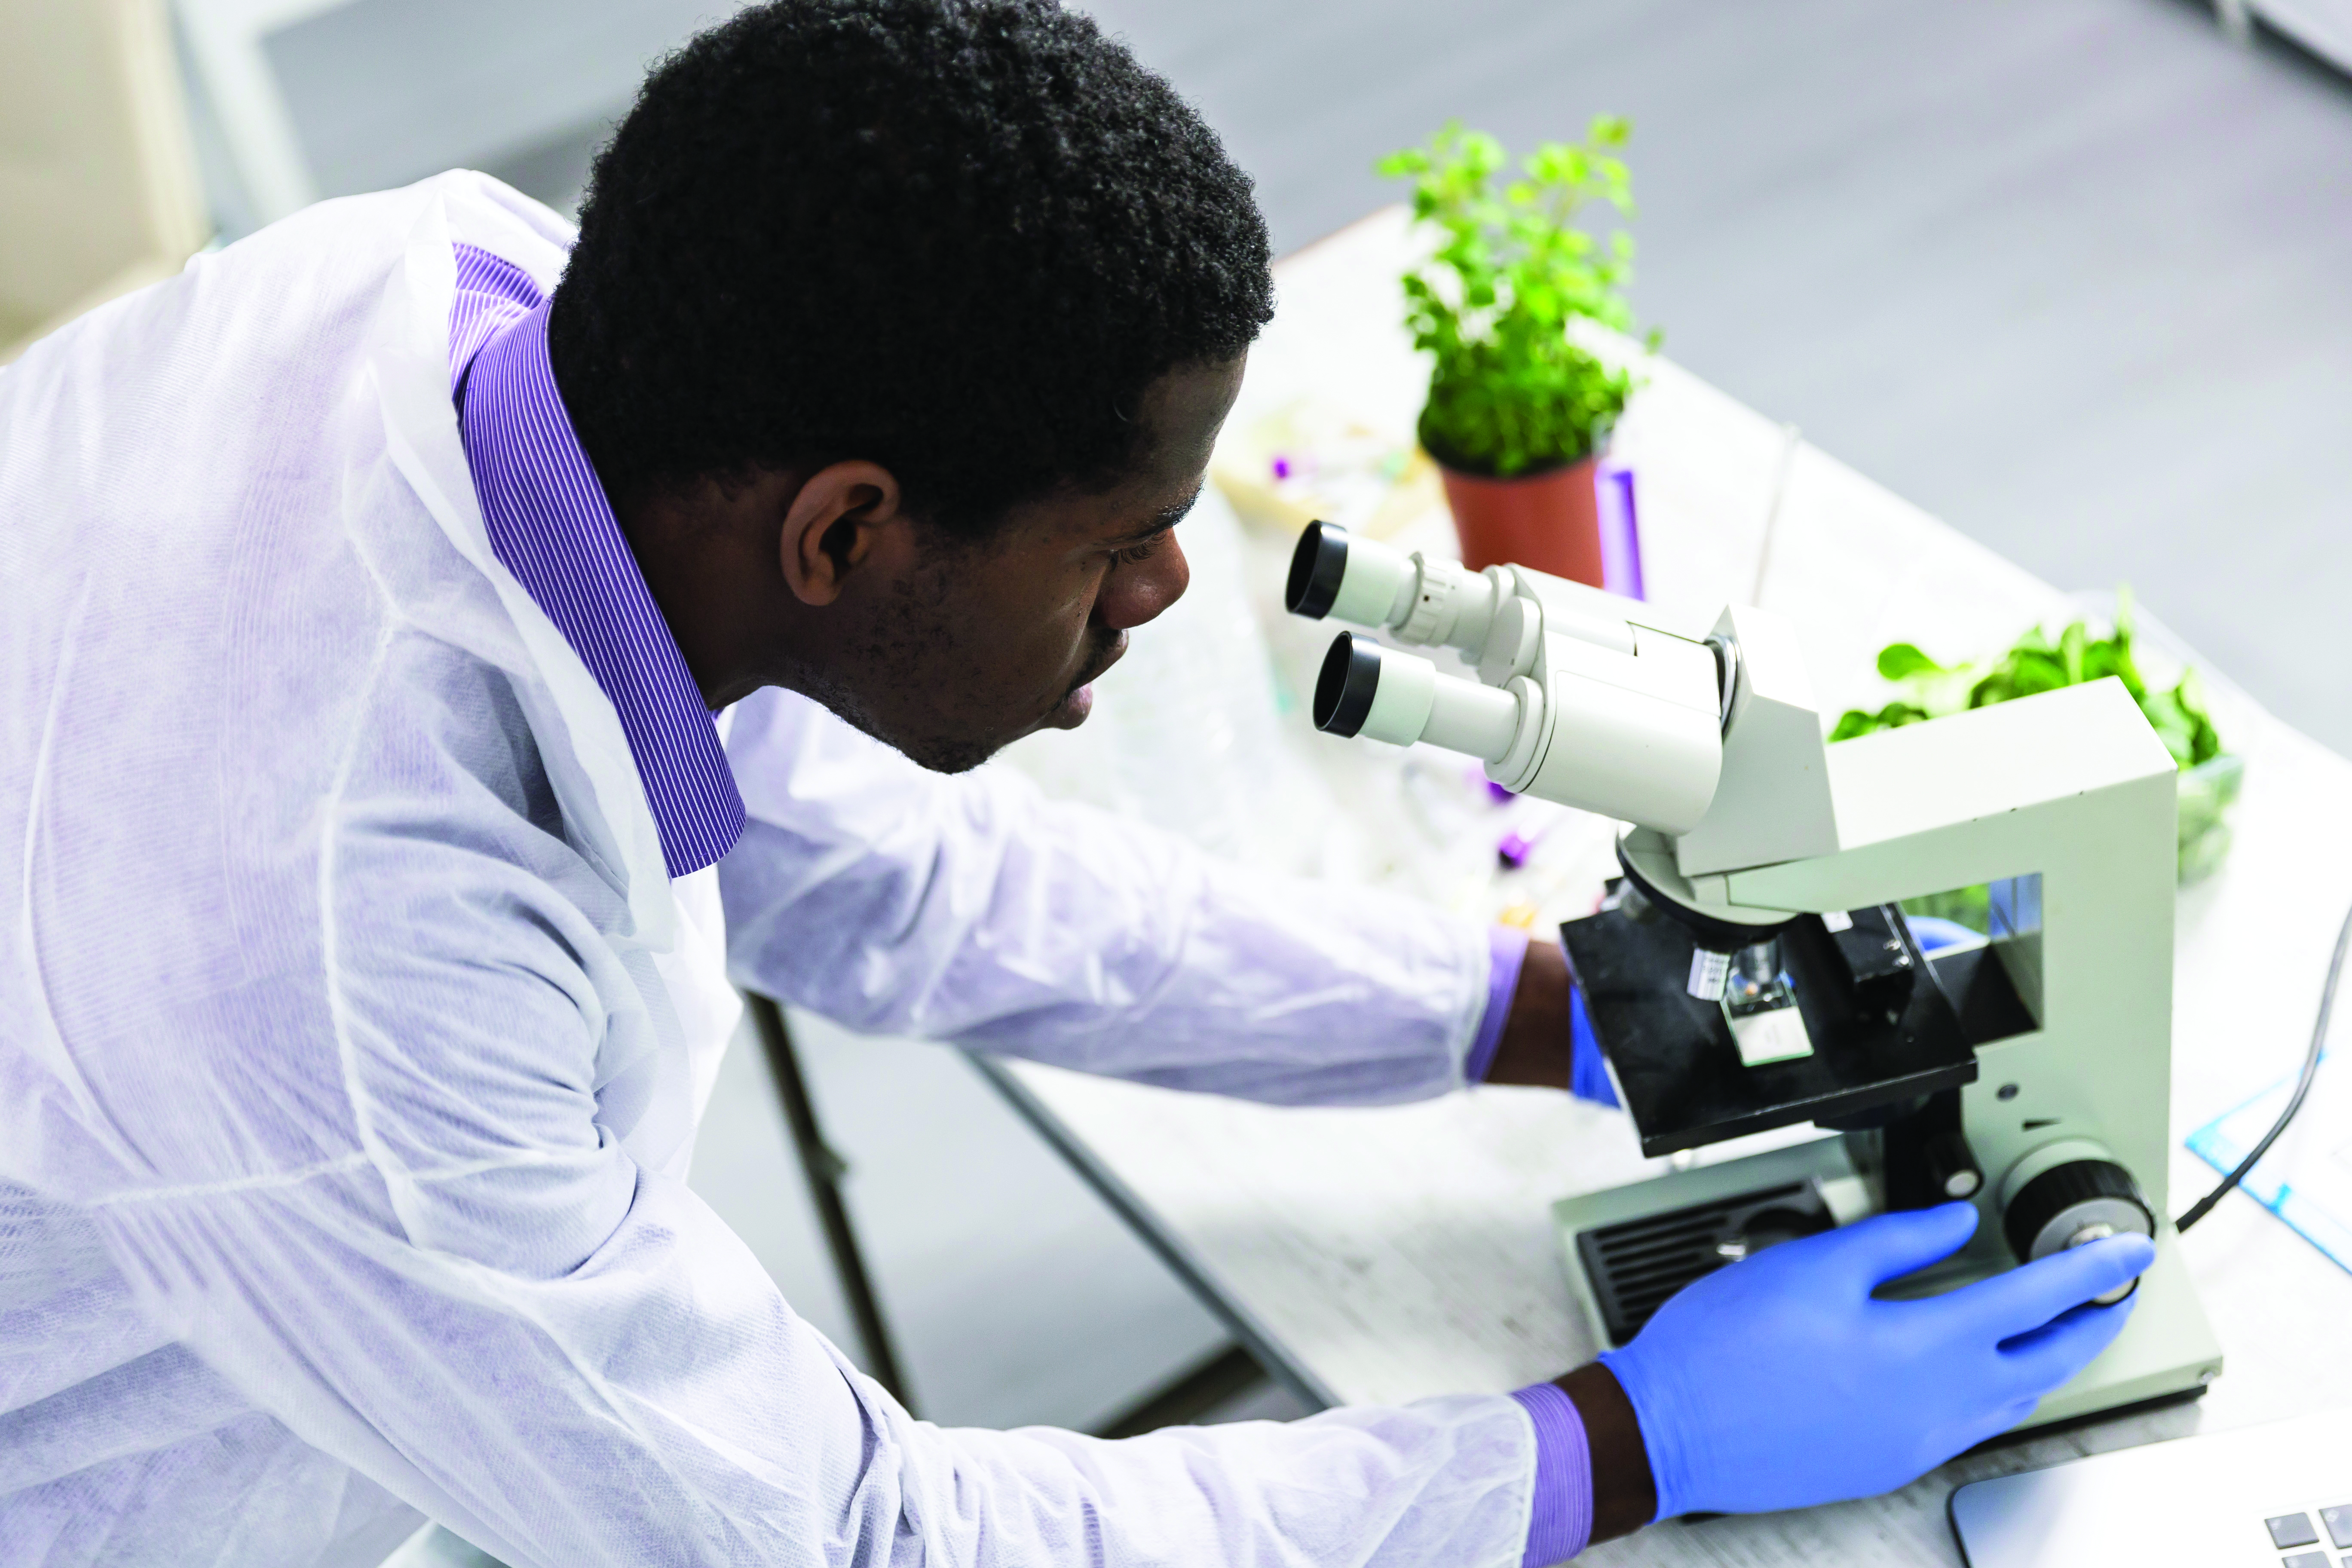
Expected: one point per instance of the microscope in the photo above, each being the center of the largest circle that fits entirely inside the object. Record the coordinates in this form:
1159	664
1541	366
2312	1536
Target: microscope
1752	968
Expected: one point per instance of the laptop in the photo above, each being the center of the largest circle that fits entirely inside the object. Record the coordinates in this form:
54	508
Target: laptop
2263	1497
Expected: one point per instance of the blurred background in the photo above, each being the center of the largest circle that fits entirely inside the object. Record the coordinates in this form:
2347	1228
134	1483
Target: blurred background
2071	274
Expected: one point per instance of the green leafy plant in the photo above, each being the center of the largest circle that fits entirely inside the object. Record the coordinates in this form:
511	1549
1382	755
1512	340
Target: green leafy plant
2210	777
1509	392
1931	691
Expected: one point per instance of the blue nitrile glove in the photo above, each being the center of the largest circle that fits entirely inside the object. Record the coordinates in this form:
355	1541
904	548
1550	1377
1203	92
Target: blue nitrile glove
1778	1382
1935	933
1588	1075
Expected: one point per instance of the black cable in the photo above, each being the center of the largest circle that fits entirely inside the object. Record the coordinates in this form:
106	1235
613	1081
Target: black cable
2204	1205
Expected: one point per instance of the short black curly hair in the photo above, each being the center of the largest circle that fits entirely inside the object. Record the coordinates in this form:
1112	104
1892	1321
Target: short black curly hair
956	237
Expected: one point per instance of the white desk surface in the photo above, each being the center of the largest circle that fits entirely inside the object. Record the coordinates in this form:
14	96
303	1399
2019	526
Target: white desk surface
1386	1254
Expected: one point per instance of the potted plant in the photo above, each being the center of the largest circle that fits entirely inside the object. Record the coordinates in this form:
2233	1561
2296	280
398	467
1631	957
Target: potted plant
1517	414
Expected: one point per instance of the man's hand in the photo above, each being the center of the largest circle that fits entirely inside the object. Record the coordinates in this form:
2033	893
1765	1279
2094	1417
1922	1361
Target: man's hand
1537	1046
1782	1382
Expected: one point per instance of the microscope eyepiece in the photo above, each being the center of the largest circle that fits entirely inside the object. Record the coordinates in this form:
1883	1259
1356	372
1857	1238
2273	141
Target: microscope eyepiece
1383	694
1316	568
1360	580
1350	677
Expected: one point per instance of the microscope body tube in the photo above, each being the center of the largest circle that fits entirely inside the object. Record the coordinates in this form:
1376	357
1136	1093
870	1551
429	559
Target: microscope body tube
1383	694
1570	737
1415	702
1620	753
1377	589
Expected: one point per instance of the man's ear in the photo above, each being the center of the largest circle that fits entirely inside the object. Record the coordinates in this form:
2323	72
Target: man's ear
834	526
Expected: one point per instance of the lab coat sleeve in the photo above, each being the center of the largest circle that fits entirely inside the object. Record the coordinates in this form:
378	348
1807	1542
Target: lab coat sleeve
487	1306
971	908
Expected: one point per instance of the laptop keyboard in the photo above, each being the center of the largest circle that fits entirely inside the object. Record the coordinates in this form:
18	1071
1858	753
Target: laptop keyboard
2290	1530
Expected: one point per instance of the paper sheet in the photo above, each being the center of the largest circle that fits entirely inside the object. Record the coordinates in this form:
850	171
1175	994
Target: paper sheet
2306	1177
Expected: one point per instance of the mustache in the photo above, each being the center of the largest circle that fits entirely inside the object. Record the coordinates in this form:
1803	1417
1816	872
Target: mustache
1112	645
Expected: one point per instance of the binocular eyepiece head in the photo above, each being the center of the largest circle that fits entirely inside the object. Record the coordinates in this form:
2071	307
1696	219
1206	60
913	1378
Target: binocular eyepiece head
1569	705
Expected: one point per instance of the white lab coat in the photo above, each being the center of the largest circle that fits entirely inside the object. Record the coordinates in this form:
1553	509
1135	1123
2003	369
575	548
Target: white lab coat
351	1038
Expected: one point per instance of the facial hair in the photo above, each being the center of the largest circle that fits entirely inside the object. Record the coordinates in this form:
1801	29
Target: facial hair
911	647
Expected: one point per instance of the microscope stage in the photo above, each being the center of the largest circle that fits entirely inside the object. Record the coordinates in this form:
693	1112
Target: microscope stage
1679	1068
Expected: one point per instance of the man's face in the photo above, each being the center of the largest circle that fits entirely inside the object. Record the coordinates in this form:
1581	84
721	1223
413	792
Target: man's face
980	644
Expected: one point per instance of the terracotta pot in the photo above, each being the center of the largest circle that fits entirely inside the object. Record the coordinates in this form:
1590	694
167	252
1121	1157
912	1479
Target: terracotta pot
1550	521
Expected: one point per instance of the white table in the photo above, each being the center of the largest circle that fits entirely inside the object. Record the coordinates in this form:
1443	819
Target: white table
1381	1256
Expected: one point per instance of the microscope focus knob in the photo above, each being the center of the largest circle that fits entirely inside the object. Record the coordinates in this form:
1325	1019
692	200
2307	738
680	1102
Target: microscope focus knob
1951	1165
2072	1204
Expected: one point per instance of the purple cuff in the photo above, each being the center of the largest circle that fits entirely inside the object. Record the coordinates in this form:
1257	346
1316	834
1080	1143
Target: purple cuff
1508	947
1559	1521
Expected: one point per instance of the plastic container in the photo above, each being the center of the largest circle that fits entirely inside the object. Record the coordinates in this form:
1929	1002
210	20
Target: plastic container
2207	791
1621	535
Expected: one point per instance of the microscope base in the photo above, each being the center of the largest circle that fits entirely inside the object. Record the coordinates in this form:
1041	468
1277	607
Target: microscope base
1627	1248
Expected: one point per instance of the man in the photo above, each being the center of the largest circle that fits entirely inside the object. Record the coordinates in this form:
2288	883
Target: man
374	861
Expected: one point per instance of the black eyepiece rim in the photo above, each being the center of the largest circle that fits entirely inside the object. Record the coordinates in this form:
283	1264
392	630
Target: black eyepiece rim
1316	568
1344	690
